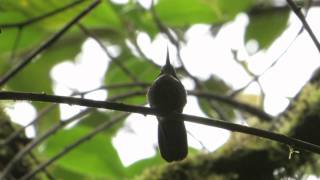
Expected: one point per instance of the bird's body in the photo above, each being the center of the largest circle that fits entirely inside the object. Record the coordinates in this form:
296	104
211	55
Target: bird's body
168	95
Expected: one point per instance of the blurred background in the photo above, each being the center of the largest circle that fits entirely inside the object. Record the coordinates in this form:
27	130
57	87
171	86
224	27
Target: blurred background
250	51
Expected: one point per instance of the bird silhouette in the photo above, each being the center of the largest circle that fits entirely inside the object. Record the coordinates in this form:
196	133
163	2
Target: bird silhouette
168	95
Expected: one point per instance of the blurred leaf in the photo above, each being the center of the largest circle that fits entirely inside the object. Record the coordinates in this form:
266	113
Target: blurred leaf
96	157
135	18
216	86
137	167
265	26
27	40
62	173
252	99
143	70
187	12
101	16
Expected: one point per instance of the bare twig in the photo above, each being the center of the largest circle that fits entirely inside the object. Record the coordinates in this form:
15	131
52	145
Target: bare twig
67	149
300	15
242	106
41	17
37	162
198	140
5	95
27	59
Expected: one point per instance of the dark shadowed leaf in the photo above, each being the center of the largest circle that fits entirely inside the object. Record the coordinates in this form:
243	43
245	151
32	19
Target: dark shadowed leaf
138	167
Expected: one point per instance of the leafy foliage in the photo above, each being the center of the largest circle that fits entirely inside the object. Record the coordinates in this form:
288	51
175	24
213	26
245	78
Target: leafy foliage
114	24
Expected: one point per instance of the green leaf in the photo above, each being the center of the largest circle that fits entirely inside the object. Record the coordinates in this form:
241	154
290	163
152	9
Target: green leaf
265	26
101	16
143	70
135	18
28	40
187	12
217	86
62	173
96	157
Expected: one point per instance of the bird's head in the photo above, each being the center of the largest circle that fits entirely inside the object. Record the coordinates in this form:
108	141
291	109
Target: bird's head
168	68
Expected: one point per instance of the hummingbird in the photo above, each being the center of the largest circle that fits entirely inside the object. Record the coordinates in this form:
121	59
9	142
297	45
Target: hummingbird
168	95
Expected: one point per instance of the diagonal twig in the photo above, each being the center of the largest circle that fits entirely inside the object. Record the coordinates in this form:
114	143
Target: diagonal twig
45	171
164	29
27	59
300	15
104	126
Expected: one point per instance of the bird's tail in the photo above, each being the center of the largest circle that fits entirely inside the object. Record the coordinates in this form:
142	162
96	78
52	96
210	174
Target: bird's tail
172	138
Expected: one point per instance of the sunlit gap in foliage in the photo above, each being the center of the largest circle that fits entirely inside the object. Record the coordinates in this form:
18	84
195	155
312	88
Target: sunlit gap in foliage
85	73
144	3
22	113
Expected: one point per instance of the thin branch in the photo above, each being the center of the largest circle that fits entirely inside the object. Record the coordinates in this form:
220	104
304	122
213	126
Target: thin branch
120	85
173	40
176	43
203	147
242	106
41	17
27	59
300	15
275	62
37	162
6	95
104	48
151	111
162	27
16	43
252	131
67	149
